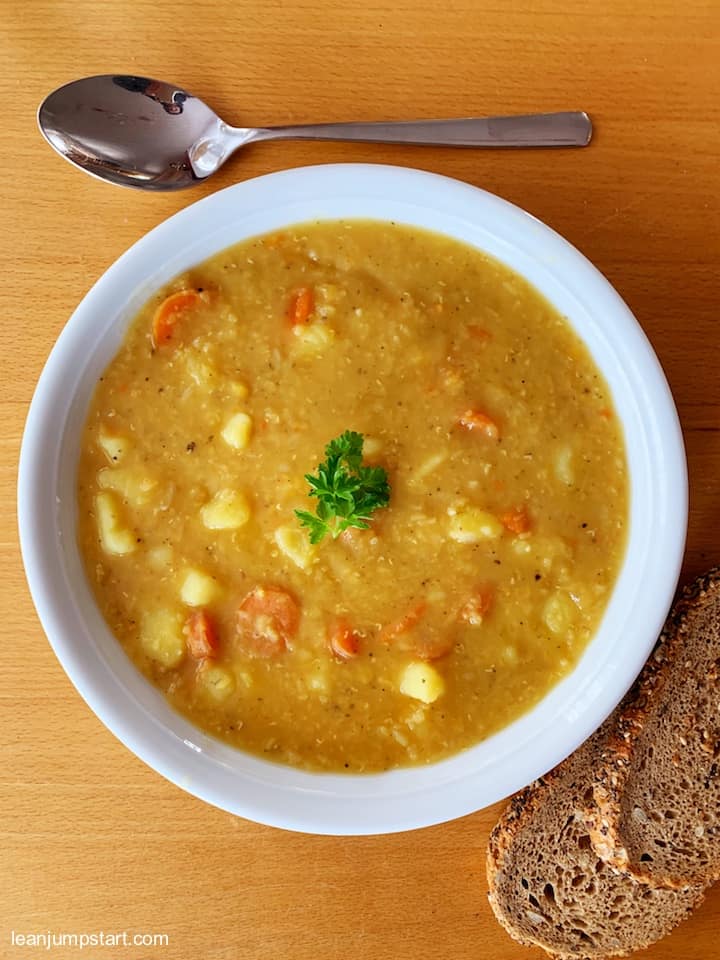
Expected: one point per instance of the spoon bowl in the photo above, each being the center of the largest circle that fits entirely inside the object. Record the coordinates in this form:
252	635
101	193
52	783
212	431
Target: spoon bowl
128	130
139	132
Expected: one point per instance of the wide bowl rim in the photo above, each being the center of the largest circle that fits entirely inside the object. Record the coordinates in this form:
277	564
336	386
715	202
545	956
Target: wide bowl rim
322	803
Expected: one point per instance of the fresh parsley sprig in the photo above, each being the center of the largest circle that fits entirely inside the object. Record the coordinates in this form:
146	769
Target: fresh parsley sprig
347	491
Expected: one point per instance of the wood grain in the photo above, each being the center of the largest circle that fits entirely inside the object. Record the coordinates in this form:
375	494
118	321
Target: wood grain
92	839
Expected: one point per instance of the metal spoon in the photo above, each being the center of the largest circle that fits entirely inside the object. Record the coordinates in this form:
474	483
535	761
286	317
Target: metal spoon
145	133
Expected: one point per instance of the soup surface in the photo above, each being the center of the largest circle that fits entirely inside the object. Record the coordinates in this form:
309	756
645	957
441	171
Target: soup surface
468	596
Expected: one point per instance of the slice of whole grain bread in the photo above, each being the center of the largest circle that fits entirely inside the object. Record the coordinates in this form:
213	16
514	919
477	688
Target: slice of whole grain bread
547	886
658	788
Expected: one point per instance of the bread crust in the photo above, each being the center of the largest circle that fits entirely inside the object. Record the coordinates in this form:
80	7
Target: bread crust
605	820
521	806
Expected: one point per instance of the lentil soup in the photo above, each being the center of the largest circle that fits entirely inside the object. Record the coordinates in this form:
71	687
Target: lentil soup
491	495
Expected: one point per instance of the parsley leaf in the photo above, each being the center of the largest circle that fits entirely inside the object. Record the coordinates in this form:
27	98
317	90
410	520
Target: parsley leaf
347	492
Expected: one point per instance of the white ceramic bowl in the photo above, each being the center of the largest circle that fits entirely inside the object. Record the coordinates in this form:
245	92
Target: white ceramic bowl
334	804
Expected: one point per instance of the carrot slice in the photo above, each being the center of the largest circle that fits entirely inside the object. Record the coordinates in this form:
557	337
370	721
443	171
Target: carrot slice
274	240
267	620
431	643
479	333
421	639
169	312
344	641
300	306
201	636
517	521
480	422
475	608
404	624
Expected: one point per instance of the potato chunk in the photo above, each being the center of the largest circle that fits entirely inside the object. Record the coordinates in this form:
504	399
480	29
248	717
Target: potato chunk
372	446
114	446
313	339
161	559
560	613
238	389
427	466
236	432
564	469
198	588
133	485
115	537
161	637
471	525
228	510
201	372
216	681
422	682
295	544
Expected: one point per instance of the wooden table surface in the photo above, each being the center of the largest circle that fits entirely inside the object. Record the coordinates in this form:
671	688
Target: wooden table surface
93	840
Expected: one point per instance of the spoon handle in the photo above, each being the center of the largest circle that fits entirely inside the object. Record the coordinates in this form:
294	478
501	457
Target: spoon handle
569	129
